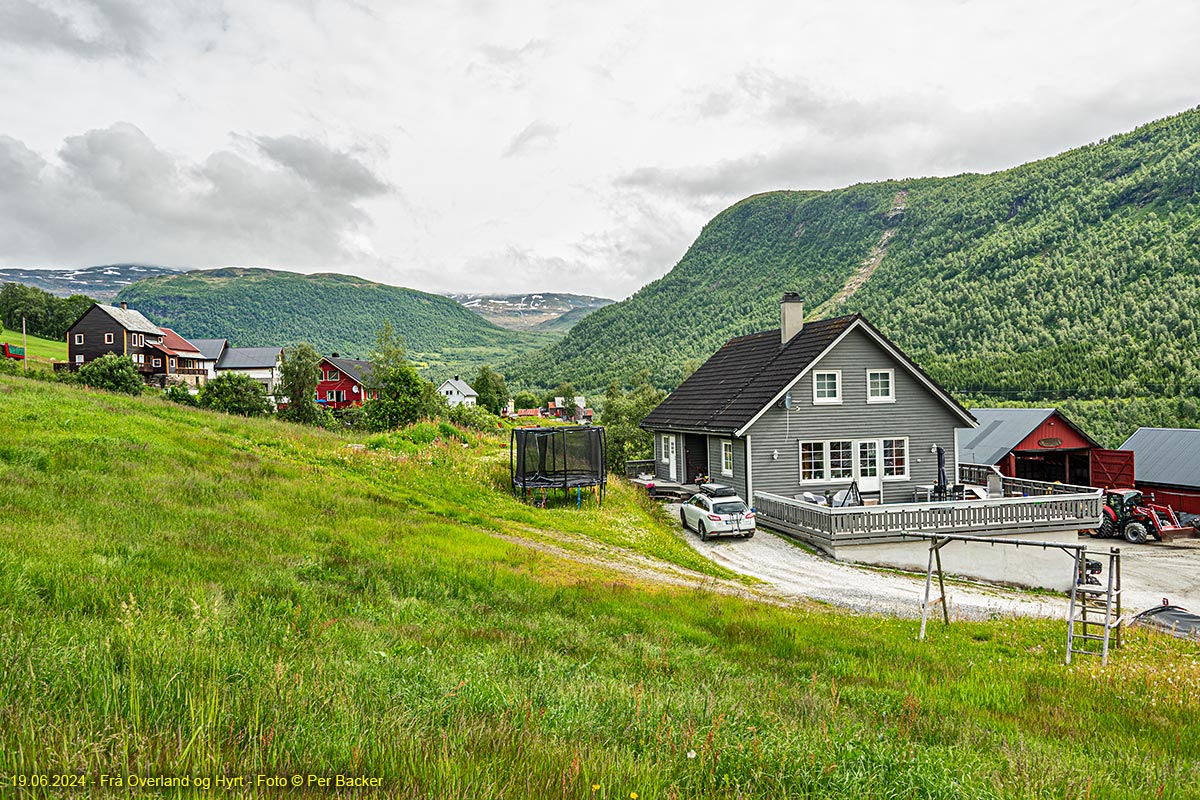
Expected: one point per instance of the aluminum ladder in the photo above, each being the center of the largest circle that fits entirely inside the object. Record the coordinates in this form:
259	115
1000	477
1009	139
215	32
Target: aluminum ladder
1094	618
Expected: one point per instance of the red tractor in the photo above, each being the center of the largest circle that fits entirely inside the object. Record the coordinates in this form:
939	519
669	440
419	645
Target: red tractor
1126	513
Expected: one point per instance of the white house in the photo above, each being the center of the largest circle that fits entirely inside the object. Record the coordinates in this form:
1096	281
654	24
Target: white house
458	392
260	363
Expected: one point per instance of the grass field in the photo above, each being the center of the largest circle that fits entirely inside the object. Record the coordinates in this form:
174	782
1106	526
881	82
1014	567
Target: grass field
38	347
189	594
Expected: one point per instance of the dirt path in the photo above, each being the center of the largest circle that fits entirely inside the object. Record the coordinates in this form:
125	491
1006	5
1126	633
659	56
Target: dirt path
869	264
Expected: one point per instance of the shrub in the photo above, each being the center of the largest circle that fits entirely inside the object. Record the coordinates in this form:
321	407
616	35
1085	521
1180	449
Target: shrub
112	373
234	393
474	417
178	393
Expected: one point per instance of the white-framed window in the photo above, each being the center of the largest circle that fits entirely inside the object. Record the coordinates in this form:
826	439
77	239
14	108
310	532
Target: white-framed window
335	395
868	459
79	358
827	387
171	362
881	386
895	458
108	338
666	448
812	461
79	338
841	461
158	362
333	375
726	457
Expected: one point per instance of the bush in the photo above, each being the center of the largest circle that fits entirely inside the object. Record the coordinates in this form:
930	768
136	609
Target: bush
113	373
476	418
9	366
234	393
178	393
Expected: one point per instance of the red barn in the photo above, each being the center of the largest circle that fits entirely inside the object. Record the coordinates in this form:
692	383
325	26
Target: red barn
342	382
1043	445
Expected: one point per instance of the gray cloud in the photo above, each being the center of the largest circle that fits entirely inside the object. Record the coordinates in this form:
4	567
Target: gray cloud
114	195
87	28
537	136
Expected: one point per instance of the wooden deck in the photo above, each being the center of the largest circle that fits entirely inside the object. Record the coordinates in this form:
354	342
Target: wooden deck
1025	507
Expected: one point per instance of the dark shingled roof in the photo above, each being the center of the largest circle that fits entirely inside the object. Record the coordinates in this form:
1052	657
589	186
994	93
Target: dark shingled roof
742	377
353	367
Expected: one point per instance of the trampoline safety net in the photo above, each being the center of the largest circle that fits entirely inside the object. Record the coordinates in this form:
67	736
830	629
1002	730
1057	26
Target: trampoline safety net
558	458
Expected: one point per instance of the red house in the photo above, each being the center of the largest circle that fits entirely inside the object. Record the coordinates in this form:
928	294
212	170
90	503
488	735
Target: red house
343	383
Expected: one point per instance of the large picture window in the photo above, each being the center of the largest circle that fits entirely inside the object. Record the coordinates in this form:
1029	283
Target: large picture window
853	459
812	461
827	387
841	461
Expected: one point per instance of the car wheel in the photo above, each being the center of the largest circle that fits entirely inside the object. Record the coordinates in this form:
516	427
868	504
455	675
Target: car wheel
1135	533
749	534
703	531
683	519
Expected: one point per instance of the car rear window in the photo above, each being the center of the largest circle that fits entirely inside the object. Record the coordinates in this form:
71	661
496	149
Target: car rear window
736	507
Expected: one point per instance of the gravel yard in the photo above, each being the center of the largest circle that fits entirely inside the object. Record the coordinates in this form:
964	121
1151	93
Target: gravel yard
1149	573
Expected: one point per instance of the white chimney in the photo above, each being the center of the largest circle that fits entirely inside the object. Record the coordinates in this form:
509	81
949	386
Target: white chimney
791	316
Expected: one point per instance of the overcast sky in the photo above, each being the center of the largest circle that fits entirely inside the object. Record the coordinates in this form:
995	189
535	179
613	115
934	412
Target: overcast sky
523	146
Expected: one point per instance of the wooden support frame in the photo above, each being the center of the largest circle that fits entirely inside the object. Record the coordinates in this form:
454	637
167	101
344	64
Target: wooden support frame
1111	593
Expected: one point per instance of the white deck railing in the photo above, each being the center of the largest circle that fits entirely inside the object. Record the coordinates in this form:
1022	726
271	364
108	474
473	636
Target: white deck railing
830	527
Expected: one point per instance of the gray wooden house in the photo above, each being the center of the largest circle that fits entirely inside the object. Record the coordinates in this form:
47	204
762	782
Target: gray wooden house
809	408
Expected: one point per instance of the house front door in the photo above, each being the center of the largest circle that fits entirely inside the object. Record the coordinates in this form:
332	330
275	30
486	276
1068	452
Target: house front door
671	456
866	466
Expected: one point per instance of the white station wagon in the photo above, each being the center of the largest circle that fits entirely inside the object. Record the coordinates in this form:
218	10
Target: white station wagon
716	511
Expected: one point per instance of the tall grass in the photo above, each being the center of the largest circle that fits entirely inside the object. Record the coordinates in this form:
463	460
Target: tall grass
184	593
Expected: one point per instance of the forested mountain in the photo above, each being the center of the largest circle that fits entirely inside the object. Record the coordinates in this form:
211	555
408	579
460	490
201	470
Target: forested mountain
334	313
1077	276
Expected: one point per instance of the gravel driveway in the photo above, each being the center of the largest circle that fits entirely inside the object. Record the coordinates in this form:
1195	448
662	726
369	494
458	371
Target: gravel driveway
1148	573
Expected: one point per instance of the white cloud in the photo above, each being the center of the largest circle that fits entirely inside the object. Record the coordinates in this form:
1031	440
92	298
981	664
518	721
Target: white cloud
523	146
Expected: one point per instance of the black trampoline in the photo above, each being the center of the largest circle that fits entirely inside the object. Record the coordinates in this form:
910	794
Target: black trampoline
544	459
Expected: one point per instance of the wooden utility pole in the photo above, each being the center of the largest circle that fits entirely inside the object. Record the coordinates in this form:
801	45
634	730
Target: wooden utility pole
25	345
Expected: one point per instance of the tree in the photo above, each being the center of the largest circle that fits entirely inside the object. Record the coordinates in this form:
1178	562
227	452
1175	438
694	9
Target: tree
493	393
526	399
299	374
623	411
403	396
112	373
235	393
178	393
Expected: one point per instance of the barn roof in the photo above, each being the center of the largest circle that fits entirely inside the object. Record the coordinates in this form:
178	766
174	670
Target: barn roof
1002	429
1168	456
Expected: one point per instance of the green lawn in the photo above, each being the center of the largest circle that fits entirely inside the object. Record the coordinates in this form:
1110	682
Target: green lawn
38	347
185	593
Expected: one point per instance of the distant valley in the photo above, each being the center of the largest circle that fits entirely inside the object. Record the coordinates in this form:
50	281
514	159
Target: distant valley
549	311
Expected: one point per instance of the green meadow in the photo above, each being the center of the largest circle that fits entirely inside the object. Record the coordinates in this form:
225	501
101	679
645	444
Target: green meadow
38	347
184	593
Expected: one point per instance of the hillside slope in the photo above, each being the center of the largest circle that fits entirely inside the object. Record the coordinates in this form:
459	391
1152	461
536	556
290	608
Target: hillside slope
1074	276
263	600
335	313
549	311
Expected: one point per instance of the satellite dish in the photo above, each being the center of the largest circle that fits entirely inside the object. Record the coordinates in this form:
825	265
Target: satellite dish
788	402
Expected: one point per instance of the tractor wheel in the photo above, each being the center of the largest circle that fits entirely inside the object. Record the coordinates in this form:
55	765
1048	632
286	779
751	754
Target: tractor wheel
1107	529
703	531
683	519
1135	533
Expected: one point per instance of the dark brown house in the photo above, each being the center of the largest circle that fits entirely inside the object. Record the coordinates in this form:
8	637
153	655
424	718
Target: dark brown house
113	329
